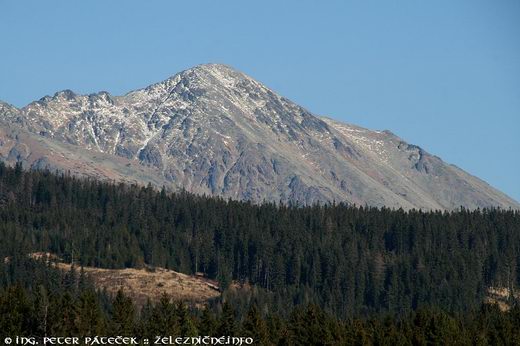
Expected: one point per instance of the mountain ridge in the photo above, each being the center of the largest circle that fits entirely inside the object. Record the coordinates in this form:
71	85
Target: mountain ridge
214	130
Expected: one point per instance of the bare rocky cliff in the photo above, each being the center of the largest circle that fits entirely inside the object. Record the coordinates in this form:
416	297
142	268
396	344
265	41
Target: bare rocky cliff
217	131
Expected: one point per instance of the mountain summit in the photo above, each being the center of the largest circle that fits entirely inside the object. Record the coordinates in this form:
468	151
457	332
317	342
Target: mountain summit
214	130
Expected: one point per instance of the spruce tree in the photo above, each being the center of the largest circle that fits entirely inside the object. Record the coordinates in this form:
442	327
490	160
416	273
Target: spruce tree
123	315
227	325
255	327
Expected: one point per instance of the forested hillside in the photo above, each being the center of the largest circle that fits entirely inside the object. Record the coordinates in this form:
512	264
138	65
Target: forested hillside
350	261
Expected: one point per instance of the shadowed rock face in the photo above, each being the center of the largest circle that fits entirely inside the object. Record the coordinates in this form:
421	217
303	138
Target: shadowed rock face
214	130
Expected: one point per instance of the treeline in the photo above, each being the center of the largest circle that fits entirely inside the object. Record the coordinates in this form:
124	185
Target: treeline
351	261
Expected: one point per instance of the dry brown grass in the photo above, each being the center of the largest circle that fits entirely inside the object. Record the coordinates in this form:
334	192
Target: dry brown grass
502	297
148	283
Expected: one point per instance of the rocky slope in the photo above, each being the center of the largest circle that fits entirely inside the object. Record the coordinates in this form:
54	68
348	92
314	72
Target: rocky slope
214	130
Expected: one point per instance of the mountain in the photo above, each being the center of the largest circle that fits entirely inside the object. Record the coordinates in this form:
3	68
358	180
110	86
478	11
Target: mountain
214	130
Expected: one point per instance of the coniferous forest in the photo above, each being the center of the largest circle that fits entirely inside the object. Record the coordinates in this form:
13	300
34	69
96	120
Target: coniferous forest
38	300
334	273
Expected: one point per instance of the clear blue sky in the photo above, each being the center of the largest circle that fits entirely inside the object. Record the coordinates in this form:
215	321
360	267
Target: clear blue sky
441	74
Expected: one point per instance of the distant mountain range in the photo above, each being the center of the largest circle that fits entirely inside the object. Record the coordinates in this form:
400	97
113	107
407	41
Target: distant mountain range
214	130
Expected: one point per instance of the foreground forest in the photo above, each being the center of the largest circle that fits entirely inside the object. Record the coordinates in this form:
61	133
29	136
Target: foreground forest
352	262
48	302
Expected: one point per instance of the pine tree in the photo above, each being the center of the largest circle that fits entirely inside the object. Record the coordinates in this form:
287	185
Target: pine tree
226	325
90	319
63	316
123	315
207	323
70	281
255	327
42	310
163	320
17	315
187	326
